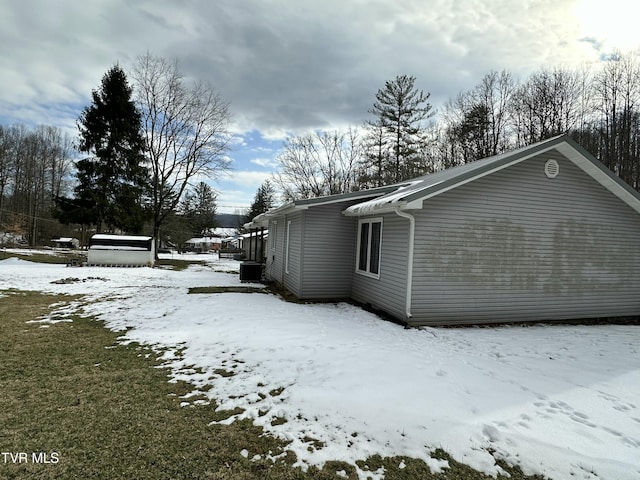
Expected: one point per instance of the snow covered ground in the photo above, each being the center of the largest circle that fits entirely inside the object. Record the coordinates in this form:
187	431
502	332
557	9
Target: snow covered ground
563	401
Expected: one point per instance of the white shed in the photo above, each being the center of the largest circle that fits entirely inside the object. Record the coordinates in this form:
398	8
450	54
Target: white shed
121	250
65	243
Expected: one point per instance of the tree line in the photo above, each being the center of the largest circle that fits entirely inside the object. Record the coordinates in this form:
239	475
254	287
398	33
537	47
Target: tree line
144	146
137	166
35	165
599	108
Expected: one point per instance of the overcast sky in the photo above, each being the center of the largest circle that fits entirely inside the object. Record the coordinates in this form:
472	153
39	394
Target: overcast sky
291	65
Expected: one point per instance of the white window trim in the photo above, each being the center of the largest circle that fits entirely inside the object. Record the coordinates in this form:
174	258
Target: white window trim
286	253
367	272
273	238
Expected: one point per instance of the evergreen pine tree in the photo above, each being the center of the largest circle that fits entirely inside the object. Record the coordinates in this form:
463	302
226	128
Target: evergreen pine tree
199	208
376	156
112	180
399	110
262	202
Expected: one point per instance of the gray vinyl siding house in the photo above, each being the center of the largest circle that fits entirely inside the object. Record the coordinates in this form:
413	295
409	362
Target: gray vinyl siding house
542	233
311	247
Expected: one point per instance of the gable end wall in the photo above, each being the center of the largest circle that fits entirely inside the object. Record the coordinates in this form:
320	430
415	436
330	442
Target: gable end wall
518	246
321	252
329	252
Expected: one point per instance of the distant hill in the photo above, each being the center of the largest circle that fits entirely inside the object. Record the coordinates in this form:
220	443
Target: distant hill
229	220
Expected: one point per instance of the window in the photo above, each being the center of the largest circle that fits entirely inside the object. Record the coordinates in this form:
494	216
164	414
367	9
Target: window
286	255
273	235
369	246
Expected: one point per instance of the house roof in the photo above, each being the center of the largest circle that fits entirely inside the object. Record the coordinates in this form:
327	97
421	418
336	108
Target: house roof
204	240
412	194
262	220
104	236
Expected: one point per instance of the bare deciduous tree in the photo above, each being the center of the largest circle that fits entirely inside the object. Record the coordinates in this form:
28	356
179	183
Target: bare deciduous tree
185	127
34	168
476	123
617	99
549	103
322	163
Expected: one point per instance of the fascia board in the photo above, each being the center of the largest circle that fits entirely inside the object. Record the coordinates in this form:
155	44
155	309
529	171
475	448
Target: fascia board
600	173
375	192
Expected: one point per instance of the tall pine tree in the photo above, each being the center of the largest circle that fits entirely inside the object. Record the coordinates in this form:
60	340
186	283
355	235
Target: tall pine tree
199	209
399	110
262	202
113	178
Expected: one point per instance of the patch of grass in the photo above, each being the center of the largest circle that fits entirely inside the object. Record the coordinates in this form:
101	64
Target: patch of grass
235	289
108	411
278	421
224	373
177	264
58	258
314	443
415	468
276	391
220	415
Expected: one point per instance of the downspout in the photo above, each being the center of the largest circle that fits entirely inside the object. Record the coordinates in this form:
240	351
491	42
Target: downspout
412	231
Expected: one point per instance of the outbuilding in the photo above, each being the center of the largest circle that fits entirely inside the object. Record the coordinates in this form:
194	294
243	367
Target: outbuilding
121	250
542	233
66	243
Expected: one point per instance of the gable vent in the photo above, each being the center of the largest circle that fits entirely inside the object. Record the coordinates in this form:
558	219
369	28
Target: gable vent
551	168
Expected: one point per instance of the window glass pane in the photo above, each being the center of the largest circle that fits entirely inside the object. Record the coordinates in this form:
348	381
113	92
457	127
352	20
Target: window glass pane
376	238
364	244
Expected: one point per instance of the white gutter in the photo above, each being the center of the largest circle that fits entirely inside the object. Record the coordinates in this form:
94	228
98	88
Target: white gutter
412	231
353	211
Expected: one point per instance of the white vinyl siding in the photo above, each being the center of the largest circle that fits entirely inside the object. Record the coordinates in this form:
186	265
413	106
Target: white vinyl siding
369	247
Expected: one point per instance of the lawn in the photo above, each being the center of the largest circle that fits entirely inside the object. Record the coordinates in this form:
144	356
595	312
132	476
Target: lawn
76	404
101	410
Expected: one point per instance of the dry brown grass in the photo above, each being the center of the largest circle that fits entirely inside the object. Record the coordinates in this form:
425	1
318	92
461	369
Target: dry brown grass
107	411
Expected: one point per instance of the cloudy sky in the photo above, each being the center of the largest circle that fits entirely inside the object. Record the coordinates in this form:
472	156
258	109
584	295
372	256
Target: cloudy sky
287	66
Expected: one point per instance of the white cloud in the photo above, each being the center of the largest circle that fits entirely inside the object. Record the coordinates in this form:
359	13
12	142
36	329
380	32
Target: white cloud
291	69
232	201
610	27
265	162
237	189
295	67
248	178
